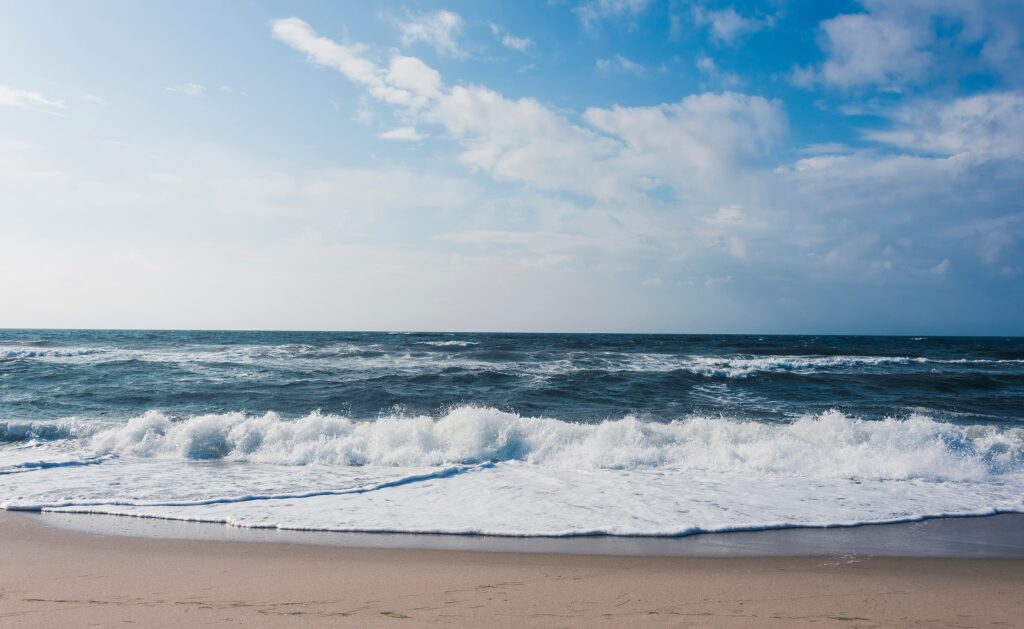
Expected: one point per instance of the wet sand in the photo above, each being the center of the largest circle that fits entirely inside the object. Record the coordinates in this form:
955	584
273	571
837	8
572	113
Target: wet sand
51	576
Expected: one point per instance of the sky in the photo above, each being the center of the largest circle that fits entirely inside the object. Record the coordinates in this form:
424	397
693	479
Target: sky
565	165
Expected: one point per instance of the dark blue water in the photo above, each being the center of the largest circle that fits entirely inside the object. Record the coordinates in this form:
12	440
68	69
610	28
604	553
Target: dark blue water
47	374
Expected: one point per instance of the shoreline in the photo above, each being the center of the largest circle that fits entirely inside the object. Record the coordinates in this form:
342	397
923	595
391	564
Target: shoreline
51	576
984	536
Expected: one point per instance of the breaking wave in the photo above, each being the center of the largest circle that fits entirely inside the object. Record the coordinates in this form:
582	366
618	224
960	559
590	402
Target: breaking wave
829	445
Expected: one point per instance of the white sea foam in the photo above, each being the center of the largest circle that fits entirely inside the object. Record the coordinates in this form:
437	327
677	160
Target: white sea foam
22	353
486	471
830	445
448	343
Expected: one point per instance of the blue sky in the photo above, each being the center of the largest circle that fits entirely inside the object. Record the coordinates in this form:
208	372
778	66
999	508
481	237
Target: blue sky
574	165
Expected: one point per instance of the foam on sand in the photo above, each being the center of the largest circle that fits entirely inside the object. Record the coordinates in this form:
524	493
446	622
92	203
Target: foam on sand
482	470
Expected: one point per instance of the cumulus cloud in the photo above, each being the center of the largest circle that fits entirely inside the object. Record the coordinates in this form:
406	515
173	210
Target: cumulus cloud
620	152
440	30
521	139
696	183
866	49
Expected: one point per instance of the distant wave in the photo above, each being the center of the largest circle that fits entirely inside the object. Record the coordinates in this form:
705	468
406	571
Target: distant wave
16	353
405	360
830	445
448	343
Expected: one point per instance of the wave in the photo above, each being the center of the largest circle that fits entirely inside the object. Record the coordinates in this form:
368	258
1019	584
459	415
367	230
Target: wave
829	445
30	466
448	343
737	367
21	353
406	361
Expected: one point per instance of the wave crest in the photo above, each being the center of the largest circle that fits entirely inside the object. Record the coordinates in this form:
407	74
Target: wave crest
830	445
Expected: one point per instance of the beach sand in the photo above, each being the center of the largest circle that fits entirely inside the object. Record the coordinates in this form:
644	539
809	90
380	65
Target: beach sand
52	577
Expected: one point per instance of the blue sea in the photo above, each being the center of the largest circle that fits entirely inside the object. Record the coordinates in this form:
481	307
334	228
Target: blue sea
510	434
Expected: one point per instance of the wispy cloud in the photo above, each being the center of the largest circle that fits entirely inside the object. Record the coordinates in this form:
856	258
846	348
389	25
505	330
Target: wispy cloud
516	43
508	40
407	81
709	68
620	63
593	12
14	97
402	134
188	89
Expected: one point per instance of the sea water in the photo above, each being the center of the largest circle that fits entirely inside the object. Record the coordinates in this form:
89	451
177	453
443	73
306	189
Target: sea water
510	434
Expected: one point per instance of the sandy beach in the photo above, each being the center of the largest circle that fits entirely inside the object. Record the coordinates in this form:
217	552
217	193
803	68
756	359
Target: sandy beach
56	577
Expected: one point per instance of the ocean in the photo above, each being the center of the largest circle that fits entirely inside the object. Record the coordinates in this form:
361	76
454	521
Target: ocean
510	434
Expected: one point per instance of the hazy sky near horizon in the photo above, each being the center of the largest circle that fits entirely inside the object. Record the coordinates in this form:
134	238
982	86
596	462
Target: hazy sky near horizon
562	165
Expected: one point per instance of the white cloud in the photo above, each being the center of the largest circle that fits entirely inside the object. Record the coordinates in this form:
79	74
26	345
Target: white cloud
894	43
516	43
415	77
695	141
508	40
693	184
188	89
323	51
14	97
521	140
592	12
618	62
984	126
865	49
407	81
440	30
624	152
726	25
402	134
94	99
627	150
